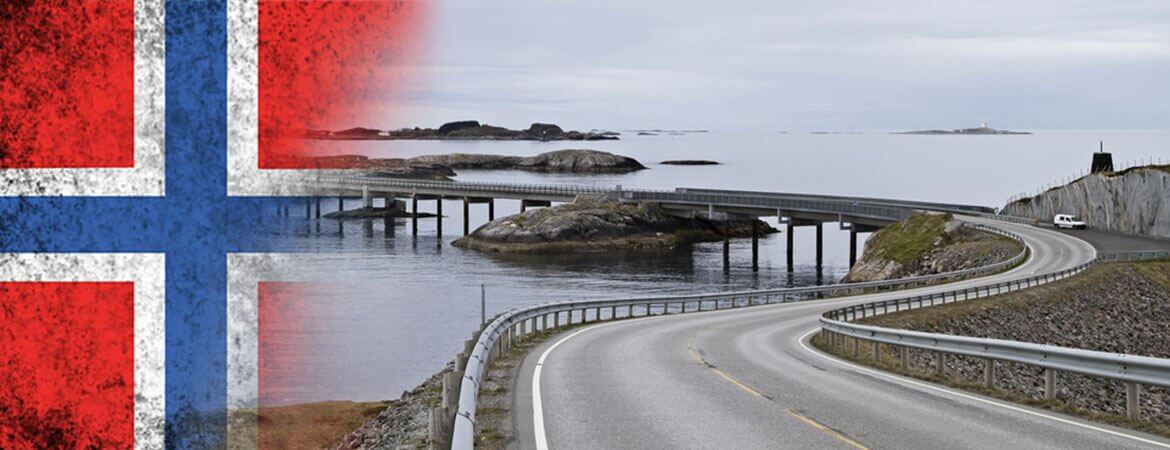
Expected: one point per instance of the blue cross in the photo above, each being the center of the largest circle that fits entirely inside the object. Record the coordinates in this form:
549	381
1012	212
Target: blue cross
196	224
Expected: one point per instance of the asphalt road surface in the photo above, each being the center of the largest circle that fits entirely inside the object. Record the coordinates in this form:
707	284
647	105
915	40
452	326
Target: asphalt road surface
746	378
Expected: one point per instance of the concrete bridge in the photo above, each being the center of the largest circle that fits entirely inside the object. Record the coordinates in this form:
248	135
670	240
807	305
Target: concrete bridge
855	214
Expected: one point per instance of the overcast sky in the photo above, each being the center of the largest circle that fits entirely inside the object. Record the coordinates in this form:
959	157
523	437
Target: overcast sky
795	65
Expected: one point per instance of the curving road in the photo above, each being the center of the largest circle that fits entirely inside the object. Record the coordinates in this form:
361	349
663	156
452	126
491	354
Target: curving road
745	378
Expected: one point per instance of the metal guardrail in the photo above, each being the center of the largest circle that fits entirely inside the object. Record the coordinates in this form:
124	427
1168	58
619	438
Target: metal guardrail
497	335
933	206
1131	369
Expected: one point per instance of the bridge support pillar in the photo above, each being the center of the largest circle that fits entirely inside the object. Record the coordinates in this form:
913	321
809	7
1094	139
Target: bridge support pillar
340	203
852	247
726	245
388	226
414	215
439	217
308	209
491	209
755	245
466	219
523	205
820	246
366	198
788	231
318	213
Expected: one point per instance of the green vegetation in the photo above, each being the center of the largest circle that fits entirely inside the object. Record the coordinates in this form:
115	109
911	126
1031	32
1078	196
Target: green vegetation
909	239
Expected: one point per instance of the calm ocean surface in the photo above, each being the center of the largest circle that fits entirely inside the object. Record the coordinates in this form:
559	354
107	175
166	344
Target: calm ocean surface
398	307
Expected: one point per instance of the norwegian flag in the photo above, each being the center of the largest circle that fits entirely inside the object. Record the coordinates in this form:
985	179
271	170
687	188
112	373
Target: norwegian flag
142	157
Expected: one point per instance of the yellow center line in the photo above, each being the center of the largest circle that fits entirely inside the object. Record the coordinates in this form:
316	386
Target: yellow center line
798	416
831	432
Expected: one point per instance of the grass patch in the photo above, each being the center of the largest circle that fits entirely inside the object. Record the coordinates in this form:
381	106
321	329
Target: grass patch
909	239
311	425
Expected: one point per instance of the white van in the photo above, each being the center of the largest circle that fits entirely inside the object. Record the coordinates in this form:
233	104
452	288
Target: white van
1068	221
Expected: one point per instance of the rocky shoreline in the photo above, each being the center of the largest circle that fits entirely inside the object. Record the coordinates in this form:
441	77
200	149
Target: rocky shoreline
597	225
464	130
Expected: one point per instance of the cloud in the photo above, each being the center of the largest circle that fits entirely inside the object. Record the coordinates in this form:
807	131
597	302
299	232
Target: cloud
796	65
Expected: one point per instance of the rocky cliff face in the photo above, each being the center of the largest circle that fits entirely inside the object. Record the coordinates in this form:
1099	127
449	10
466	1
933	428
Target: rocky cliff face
1136	201
926	244
592	225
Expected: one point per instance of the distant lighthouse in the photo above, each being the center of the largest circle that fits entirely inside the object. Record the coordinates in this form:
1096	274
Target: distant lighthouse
983	125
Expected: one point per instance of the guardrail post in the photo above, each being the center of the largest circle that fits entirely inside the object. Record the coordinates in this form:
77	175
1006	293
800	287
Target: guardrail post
904	352
856	347
440	435
1132	402
940	363
877	351
988	373
1050	384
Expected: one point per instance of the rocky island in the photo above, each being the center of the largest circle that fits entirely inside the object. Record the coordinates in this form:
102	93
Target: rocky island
598	225
690	162
982	130
464	130
570	160
442	167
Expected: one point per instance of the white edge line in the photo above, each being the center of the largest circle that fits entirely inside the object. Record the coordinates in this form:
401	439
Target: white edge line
537	404
900	379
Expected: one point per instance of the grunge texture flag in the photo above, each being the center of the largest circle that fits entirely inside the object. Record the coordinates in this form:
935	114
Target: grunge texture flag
142	148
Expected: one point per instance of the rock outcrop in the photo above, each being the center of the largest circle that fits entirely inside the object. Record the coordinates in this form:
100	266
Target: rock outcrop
925	244
1134	201
595	225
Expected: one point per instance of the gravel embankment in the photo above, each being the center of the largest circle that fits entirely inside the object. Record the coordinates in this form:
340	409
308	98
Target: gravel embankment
1121	307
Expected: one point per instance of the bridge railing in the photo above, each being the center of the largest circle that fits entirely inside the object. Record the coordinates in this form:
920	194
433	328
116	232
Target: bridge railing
860	207
934	206
498	335
1133	370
